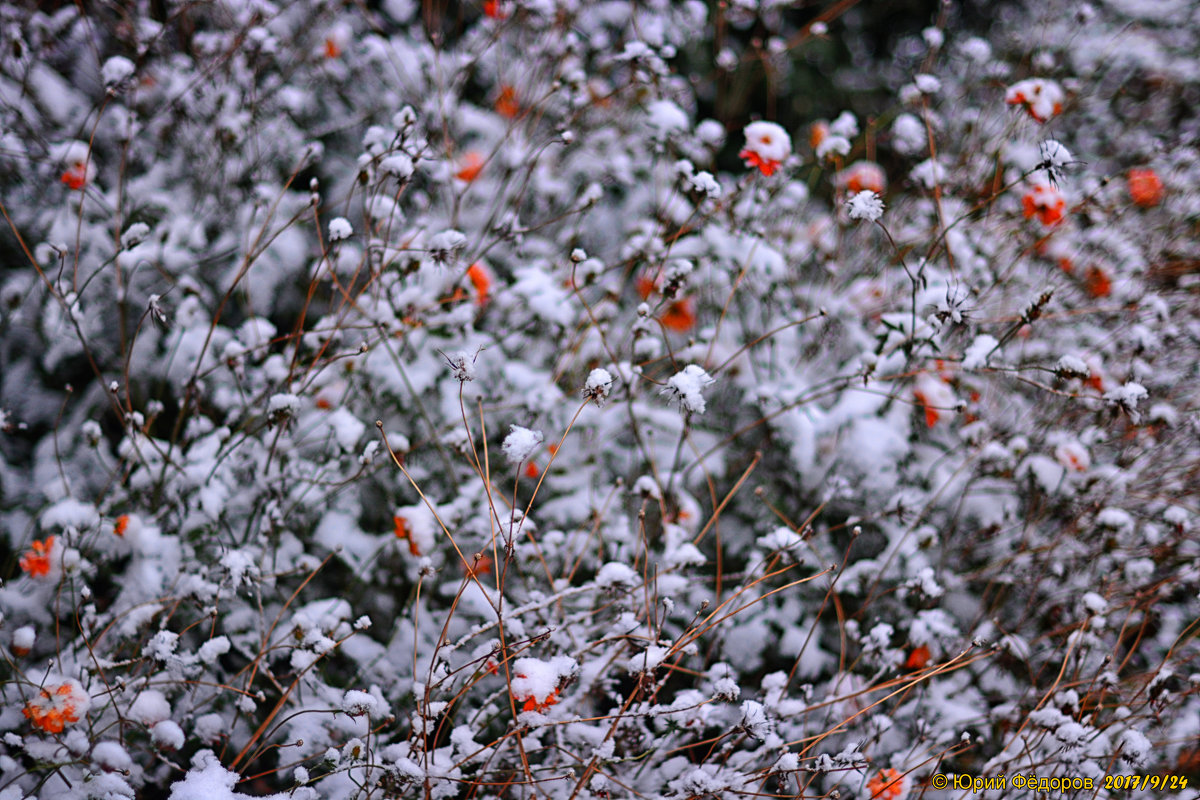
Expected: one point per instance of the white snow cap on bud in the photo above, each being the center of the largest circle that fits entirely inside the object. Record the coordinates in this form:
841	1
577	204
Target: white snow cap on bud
520	444
687	387
598	385
339	229
462	365
865	205
768	141
116	70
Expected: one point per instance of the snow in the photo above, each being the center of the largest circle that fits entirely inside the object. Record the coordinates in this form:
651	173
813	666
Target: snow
149	707
648	660
768	141
977	354
615	574
598	385
208	780
520	444
666	118
213	649
116	70
111	756
167	735
283	404
340	229
357	703
865	205
23	638
687	387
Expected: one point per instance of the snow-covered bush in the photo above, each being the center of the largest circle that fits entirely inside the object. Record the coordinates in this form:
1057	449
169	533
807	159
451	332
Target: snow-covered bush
483	403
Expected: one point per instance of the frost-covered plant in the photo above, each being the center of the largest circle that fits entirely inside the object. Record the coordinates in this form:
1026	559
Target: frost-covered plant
399	404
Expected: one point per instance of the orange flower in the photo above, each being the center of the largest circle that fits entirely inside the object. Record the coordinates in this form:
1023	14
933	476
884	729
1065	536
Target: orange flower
889	783
679	316
1145	187
36	563
533	704
121	524
493	9
918	658
403	531
863	176
1097	282
482	282
1046	202
531	470
58	706
331	49
472	165
817	134
506	103
482	566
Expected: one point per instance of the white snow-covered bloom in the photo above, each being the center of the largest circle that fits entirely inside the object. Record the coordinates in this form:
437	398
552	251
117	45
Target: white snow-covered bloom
134	235
929	173
398	165
1041	98
149	707
687	387
445	247
116	71
462	365
356	703
283	405
706	183
111	757
339	229
846	125
833	145
1127	397
520	444
909	136
865	205
927	84
767	146
598	385
23	639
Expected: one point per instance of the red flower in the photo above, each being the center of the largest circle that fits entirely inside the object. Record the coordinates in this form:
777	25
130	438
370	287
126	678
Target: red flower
1097	282
36	563
506	103
482	282
1145	187
472	165
533	704
753	159
76	177
1046	202
121	524
402	531
918	658
494	9
679	316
